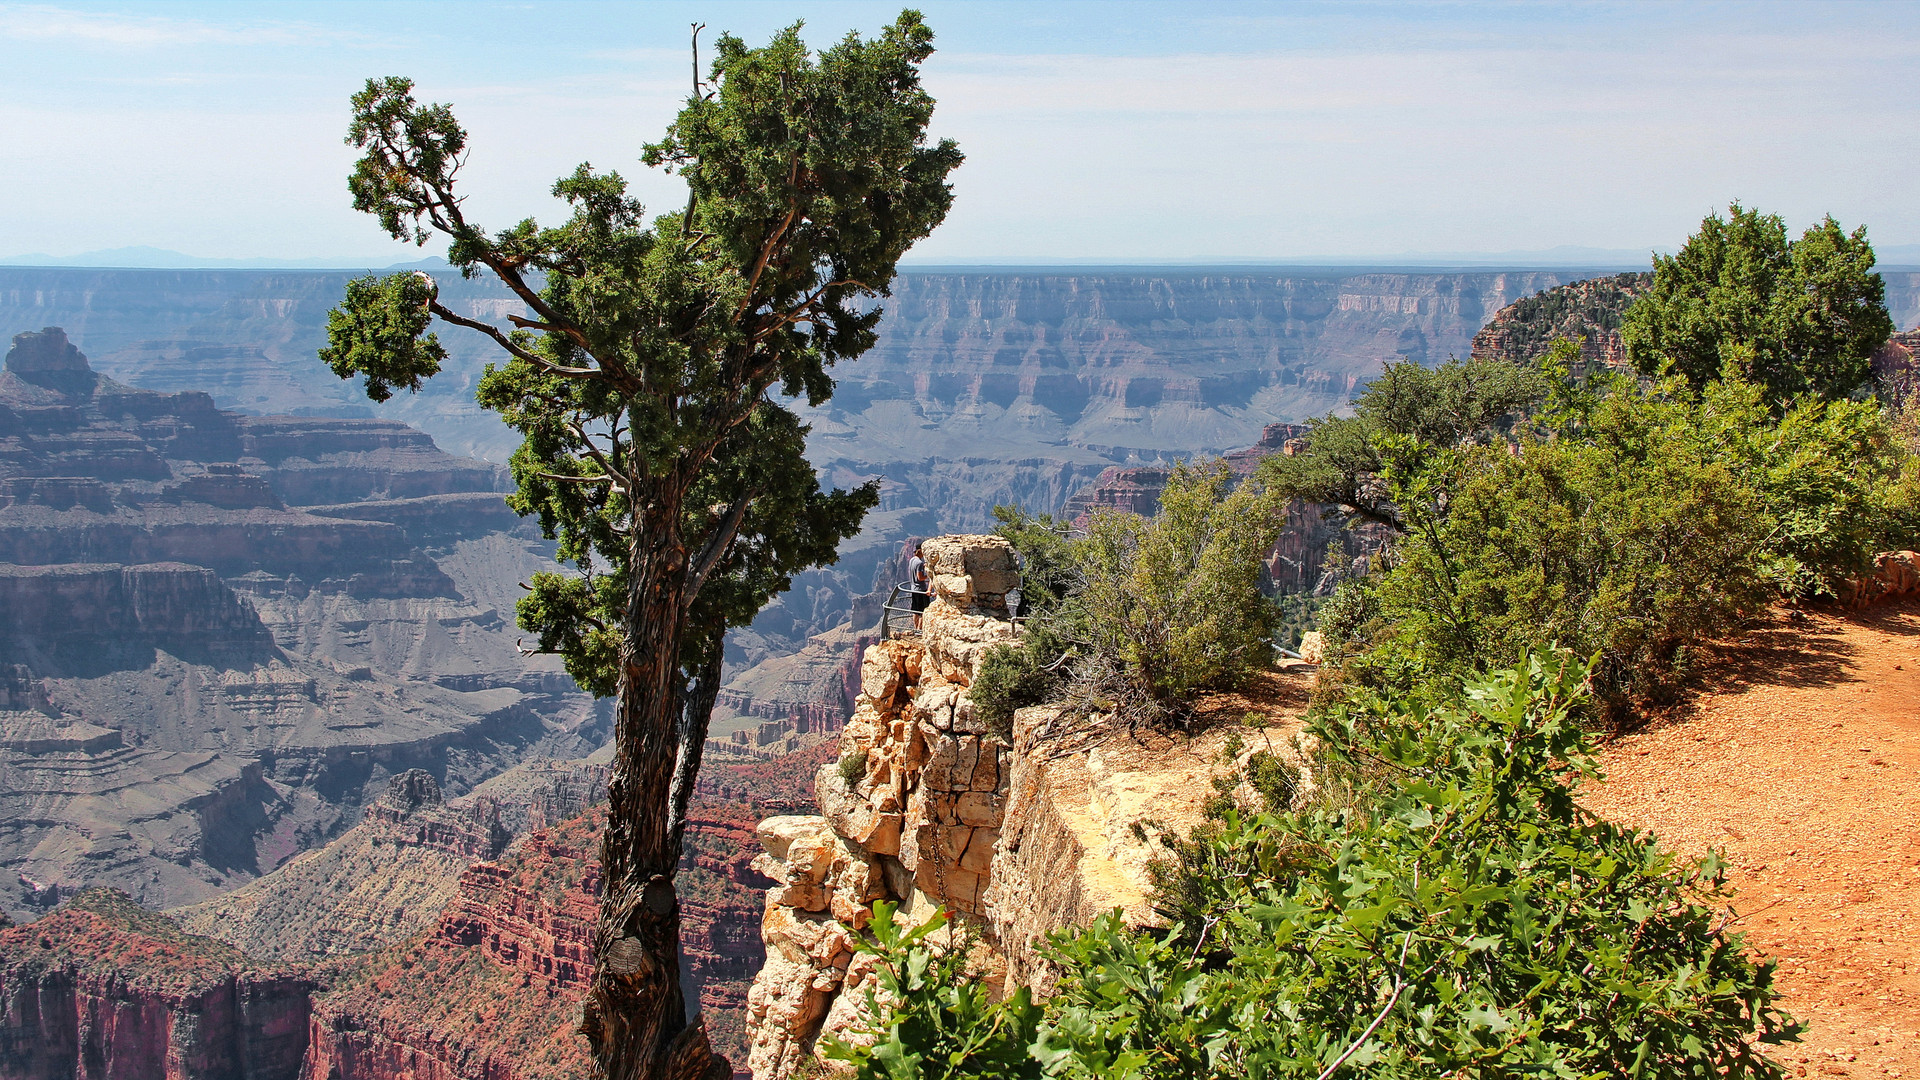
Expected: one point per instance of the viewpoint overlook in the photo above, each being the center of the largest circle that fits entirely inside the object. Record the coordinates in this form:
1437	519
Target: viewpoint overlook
262	672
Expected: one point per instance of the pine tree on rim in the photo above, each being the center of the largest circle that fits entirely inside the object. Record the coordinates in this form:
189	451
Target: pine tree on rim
648	377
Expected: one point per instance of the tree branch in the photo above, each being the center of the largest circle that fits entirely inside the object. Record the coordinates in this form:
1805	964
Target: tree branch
697	712
717	545
805	307
599	456
766	250
534	324
448	315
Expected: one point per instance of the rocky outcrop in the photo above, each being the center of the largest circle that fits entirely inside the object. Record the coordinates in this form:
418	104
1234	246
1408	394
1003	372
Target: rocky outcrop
810	692
1075	840
1899	359
1895	574
487	986
103	990
911	812
77	605
493	991
1016	834
1131	489
1585	311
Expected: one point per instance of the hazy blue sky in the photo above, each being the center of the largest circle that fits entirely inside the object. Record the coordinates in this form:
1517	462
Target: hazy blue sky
1093	130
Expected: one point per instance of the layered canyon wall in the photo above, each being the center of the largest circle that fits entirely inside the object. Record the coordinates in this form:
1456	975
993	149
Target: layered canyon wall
103	990
996	387
225	633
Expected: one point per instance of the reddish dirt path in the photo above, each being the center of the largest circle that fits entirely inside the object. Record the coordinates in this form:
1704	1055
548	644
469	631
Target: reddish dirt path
1803	767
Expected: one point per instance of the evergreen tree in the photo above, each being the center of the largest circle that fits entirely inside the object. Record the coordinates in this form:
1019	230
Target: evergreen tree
1799	317
647	380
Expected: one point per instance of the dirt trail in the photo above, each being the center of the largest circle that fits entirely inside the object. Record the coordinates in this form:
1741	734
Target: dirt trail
1803	767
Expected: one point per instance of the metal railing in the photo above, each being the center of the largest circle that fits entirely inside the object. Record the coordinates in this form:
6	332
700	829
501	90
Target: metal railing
896	615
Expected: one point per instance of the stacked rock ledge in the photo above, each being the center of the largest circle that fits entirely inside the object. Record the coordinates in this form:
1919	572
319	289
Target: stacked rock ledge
913	818
1015	836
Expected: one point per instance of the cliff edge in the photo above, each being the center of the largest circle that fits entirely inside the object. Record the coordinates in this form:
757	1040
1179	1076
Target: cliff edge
1016	833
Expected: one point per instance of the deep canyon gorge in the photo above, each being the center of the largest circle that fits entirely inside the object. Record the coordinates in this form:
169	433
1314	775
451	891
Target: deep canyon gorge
259	667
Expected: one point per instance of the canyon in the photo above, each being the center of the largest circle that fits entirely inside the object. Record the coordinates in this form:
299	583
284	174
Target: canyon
438	938
221	635
1001	386
258	664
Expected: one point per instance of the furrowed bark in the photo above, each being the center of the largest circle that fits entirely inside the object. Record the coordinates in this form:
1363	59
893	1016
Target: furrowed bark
635	1015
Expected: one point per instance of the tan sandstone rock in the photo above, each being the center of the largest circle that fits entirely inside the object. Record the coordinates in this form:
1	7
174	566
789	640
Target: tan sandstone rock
915	822
1068	851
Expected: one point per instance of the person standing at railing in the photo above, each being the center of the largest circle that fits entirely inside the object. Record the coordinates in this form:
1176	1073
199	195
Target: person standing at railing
919	586
1016	596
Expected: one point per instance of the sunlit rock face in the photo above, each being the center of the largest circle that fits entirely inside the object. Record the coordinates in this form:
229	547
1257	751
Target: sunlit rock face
910	813
105	990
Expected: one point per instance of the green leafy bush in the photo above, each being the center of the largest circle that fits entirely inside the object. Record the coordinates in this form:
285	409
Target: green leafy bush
946	1027
1140	613
1172	604
1050	573
1293	615
1452	912
1462	402
1631	543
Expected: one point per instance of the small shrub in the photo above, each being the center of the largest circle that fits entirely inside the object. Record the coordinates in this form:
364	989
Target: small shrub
1172	604
1230	750
1276	779
853	767
1011	677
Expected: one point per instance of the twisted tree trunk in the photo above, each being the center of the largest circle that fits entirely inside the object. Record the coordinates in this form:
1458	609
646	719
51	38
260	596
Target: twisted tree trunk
635	1013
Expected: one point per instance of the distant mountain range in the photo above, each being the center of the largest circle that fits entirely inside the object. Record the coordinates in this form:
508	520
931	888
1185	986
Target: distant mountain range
1565	256
153	258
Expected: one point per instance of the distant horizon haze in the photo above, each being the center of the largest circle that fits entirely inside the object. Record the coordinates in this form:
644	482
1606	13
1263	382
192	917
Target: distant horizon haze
1096	134
1566	257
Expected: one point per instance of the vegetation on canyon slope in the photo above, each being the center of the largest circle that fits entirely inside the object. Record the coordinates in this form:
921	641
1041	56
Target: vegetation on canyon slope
1438	903
1443	906
644	385
1140	614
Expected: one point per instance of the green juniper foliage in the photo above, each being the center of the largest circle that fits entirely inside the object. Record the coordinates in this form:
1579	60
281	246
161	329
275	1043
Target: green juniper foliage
1460	402
1174	601
650	377
1800	318
1626	519
1448	909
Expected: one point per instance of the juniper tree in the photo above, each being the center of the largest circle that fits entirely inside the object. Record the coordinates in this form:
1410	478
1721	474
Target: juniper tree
1799	317
647	379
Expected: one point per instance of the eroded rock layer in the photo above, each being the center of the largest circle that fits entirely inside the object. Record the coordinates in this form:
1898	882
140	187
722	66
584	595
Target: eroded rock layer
224	634
103	990
910	812
383	881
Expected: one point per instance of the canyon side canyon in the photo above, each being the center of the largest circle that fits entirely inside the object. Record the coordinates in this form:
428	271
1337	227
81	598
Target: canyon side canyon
259	669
